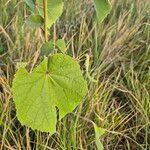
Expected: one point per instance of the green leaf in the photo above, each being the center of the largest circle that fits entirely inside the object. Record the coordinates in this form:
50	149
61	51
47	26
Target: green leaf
31	4
47	48
57	81
35	21
103	8
98	133
60	43
54	10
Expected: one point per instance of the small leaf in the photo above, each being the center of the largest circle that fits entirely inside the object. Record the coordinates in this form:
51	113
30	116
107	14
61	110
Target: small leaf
54	10
47	48
103	8
35	21
60	43
57	81
98	133
31	4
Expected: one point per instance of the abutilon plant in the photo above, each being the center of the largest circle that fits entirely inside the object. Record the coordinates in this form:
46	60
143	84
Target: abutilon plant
57	81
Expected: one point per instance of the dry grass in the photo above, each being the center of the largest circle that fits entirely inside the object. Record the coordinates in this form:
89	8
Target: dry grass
119	53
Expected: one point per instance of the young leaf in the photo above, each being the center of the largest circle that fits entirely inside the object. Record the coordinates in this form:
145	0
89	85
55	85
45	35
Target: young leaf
98	133
60	43
35	21
54	10
103	8
47	48
57	81
31	4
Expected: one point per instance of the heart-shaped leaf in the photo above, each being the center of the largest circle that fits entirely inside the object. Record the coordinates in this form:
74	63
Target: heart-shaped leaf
57	81
103	8
54	10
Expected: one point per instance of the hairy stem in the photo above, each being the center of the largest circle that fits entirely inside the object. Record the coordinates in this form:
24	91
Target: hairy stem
45	20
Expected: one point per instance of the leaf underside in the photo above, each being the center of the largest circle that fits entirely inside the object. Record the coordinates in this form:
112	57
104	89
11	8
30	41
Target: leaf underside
103	8
57	81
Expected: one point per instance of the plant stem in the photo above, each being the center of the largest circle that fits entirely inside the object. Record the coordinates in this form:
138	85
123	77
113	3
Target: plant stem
45	20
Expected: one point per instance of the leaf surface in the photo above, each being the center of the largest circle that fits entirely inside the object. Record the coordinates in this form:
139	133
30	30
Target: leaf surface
54	10
47	48
57	81
103	8
60	43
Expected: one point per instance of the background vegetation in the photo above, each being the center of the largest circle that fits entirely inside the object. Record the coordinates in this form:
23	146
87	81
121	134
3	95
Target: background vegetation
119	53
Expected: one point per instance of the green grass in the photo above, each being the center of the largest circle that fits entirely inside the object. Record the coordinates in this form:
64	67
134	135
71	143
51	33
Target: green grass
119	53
